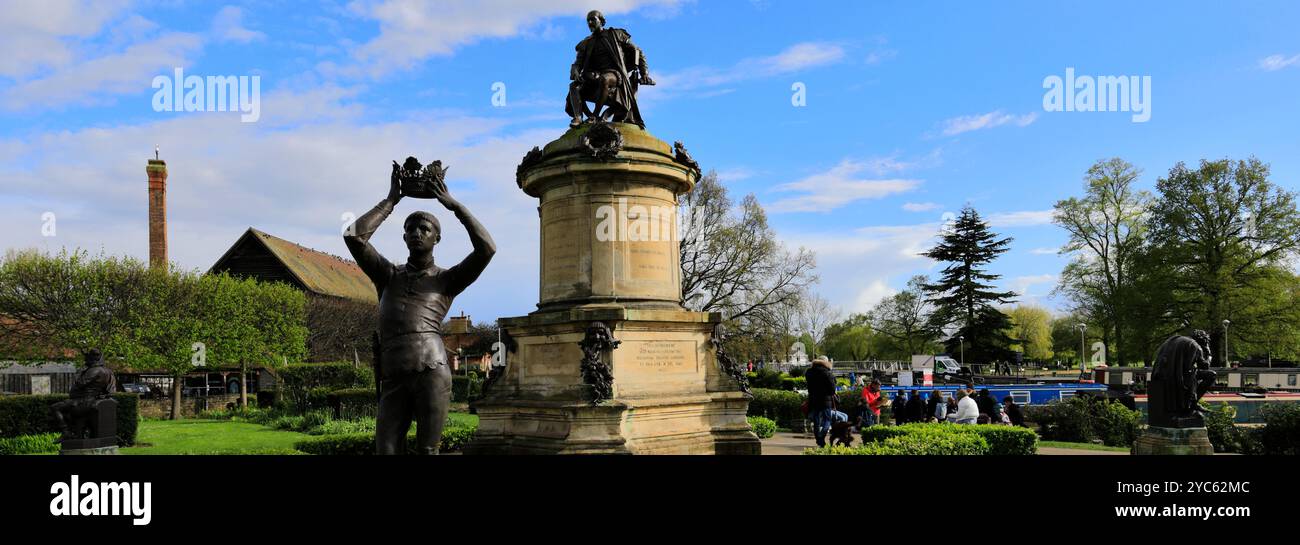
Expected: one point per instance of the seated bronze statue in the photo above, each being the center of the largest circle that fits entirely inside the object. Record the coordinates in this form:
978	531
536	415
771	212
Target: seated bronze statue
607	72
88	418
1180	377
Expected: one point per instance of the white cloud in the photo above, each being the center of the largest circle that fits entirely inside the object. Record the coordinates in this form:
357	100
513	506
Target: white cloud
793	59
880	55
838	187
921	206
967	123
1277	62
1045	251
293	182
87	82
228	26
1026	218
411	30
735	174
42	34
1021	284
871	295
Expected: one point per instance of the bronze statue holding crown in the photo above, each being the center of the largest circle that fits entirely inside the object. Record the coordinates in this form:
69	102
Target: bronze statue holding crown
607	72
412	369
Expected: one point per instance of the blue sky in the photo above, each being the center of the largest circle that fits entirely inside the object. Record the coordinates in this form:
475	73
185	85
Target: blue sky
912	110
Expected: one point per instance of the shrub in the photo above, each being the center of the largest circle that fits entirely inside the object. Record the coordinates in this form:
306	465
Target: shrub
306	386
1224	434
1001	440
763	427
794	383
30	415
934	442
778	405
1281	432
1083	419
361	444
798	371
765	378
464	388
354	403
344	427
29	444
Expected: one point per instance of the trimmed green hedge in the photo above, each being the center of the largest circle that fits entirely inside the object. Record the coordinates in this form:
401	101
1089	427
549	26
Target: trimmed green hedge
934	442
778	405
361	444
464	388
763	427
306	386
1002	440
1281	432
353	403
1082	419
30	415
29	444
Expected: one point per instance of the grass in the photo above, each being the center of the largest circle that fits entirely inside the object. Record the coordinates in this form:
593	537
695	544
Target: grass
226	437
1080	446
211	437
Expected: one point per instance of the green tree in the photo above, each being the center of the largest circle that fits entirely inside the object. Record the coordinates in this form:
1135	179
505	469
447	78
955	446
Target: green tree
1032	331
849	340
963	297
905	317
1106	228
1225	233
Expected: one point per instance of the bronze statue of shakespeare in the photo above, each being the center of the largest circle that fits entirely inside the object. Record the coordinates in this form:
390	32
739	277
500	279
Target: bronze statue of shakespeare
1180	377
76	415
607	72
412	371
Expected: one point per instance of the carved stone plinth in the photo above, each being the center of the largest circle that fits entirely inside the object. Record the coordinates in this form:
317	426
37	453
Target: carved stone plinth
609	253
1157	440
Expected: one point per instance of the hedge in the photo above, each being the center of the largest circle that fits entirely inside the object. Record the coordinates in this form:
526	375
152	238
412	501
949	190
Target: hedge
1083	419
30	415
1281	432
1002	440
464	388
29	444
361	444
353	403
778	405
932	443
763	427
306	386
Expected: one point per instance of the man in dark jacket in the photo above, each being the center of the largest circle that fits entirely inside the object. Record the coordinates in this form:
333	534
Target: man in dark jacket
915	407
987	405
899	408
821	398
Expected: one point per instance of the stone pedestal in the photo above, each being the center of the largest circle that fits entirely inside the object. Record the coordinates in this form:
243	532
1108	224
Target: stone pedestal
1158	440
609	254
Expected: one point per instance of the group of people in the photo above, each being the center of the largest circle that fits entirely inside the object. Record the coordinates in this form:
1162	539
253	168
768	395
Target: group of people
966	406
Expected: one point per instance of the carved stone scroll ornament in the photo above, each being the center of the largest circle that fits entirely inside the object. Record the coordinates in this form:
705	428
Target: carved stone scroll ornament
595	372
725	364
603	140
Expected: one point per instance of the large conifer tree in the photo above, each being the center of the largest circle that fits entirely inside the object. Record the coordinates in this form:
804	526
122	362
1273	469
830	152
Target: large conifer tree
963	296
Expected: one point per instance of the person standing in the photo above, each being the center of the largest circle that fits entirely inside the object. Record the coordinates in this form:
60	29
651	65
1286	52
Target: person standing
987	405
915	407
821	398
899	408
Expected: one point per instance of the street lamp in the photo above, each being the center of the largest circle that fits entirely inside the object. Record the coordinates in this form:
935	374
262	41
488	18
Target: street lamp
1083	347
961	342
1226	323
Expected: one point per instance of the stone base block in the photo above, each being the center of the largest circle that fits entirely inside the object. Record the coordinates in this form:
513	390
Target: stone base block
669	396
1157	440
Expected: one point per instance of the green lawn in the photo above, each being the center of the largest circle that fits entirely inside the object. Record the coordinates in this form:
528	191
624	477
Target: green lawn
211	437
1080	446
226	437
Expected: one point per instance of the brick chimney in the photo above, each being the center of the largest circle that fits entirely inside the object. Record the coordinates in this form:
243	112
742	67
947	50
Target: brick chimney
157	171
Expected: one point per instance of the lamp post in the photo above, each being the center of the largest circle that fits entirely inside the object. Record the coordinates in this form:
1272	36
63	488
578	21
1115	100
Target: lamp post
1226	323
961	343
1083	348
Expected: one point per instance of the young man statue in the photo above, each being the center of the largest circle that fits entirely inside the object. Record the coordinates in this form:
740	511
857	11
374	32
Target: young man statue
414	297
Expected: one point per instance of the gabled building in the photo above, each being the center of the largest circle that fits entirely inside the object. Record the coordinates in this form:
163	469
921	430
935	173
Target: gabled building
272	259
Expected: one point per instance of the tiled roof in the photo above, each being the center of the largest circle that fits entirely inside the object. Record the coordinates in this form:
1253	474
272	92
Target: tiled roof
319	272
